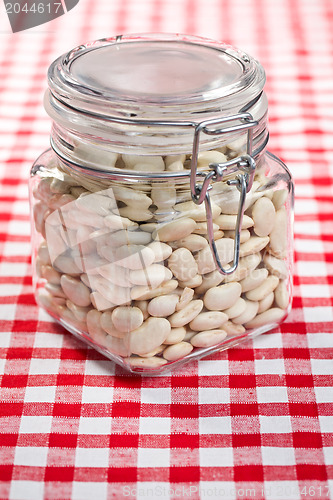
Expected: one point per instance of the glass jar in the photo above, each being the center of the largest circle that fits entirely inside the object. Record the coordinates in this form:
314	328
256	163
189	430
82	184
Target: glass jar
161	226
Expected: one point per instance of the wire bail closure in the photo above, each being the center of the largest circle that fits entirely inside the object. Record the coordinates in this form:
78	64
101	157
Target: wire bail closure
243	181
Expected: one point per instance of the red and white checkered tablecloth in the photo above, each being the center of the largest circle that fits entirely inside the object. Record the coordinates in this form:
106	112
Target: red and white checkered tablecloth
253	422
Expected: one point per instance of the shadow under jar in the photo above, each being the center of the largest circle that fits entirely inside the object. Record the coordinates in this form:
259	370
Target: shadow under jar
162	228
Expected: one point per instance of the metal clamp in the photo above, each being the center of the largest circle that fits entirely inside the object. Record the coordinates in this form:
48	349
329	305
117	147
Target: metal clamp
243	181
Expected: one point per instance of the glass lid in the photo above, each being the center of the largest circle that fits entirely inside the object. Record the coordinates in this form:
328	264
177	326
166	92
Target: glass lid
155	75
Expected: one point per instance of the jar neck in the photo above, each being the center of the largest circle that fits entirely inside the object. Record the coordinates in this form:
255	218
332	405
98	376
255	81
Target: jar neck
96	143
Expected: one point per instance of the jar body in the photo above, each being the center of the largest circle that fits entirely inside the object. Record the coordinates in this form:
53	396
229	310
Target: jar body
125	265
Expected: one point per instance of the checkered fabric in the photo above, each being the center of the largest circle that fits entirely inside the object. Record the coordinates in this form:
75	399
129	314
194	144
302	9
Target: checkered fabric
253	422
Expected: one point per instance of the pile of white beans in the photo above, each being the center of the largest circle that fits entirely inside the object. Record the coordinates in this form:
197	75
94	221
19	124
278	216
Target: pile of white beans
129	267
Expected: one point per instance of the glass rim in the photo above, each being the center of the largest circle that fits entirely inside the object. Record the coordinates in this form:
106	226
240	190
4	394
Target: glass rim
79	77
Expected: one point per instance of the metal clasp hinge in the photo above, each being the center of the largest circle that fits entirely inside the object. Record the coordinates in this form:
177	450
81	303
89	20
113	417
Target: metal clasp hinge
243	181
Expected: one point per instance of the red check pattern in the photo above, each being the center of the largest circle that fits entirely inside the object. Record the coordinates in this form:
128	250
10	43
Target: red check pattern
253	422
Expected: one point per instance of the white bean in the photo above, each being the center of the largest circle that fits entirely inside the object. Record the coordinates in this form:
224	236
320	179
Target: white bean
99	302
86	263
85	218
169	160
193	242
270	317
163	197
148	227
177	351
55	242
249	313
148	336
228	222
204	258
108	325
114	221
116	346
100	237
116	274
39	211
248	263
278	267
266	303
115	294
127	318
253	245
176	166
238	145
59	186
227	197
163	306
279	198
131	161
278	237
187	314
254	279
189	334
55	290
161	250
143	306
132	197
43	253
176	335
261	291
182	264
210	280
124	237
76	191
92	154
146	293
185	298
191	283
76	291
60	200
209	320
175	230
233	329
208	338
244	235
95	203
205	158
202	229
217	235
94	326
50	274
241	272
83	239
263	214
66	264
135	213
222	297
149	167
42	191
197	212
134	256
281	295
237	309
151	276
